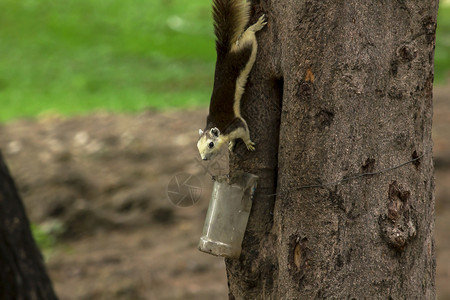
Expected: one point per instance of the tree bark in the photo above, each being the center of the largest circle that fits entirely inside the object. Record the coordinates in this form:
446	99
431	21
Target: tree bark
23	274
340	89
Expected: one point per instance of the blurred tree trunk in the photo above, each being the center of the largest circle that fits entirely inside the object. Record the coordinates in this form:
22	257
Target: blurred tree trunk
23	274
340	88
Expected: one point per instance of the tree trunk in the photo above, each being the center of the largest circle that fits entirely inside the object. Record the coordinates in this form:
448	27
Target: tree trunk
23	274
340	89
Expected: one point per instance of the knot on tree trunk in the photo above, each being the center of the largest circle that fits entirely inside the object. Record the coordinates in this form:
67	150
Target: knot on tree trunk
298	258
397	226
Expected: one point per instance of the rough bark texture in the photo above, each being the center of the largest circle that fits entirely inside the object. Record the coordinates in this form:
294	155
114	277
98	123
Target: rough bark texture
340	88
23	274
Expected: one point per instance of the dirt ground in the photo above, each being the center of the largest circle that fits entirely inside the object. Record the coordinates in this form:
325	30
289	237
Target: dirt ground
101	182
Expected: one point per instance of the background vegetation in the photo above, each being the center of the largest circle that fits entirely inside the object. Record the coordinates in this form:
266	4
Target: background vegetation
74	56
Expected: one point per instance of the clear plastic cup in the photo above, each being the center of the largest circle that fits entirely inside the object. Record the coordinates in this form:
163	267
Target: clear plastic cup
226	220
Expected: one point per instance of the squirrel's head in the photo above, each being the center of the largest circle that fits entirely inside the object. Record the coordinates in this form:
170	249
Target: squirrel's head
209	143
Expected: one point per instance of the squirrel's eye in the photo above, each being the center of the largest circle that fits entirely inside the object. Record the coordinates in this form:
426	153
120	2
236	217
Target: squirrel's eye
210	145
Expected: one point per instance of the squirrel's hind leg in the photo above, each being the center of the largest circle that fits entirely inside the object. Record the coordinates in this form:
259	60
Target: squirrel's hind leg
258	25
248	36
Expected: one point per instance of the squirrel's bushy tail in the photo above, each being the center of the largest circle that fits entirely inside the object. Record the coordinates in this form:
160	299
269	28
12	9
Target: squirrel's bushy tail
230	18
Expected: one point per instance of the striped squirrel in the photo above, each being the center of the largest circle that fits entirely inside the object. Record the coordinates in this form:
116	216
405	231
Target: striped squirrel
236	54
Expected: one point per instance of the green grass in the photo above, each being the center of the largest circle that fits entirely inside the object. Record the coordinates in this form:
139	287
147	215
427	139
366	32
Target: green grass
46	236
74	56
442	52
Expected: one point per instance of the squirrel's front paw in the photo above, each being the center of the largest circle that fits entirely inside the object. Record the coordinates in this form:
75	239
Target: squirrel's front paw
250	146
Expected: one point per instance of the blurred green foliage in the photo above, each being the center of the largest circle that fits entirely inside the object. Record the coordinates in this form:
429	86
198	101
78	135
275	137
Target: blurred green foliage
46	235
74	56
442	52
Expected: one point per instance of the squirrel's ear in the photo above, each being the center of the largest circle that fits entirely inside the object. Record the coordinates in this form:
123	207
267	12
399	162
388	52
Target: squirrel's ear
215	131
200	132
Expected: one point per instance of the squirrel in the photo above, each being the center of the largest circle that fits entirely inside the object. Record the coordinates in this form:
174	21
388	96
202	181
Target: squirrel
236	53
